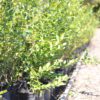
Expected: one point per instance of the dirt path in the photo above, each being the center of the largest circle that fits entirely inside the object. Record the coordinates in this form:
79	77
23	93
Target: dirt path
87	84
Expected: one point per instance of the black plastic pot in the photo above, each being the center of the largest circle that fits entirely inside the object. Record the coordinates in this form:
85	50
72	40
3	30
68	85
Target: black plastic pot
11	96
19	96
26	96
46	95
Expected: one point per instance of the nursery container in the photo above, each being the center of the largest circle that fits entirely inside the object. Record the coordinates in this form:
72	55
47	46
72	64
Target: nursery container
46	95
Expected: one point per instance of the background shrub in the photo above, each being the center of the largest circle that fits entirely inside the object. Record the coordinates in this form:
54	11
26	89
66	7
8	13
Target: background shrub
96	10
37	37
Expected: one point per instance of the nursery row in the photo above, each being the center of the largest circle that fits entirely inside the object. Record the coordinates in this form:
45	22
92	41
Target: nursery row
38	39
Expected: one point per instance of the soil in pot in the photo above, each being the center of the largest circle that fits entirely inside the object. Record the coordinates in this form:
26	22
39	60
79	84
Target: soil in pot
60	70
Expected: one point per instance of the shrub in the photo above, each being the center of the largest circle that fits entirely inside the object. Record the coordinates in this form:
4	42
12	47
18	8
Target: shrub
37	37
96	10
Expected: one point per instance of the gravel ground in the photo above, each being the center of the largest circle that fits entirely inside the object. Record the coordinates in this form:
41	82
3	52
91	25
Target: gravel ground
87	84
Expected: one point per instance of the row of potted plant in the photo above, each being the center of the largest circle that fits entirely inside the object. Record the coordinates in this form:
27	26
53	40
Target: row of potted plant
37	40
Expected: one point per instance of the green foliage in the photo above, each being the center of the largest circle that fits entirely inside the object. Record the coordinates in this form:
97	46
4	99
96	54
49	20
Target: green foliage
96	8
2	92
38	37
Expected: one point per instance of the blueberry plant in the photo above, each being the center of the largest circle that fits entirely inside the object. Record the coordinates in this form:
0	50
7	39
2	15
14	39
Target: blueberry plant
39	36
